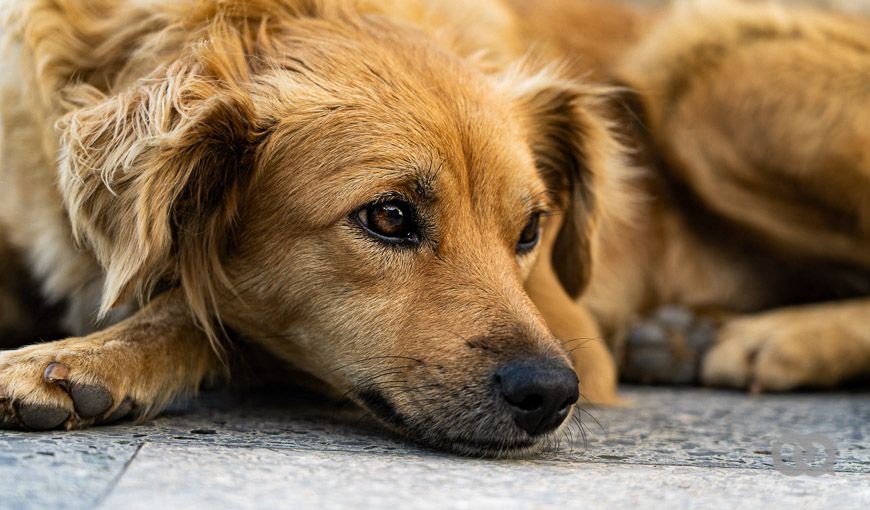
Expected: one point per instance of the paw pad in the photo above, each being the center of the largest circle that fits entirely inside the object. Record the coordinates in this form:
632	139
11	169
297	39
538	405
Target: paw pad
90	401
41	417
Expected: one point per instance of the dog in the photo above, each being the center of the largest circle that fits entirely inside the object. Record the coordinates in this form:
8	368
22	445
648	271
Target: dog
758	225
443	212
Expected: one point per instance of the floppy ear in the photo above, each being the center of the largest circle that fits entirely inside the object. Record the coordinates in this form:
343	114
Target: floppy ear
152	177
579	159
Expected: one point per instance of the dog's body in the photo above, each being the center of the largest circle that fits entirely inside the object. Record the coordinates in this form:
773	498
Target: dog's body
243	166
751	121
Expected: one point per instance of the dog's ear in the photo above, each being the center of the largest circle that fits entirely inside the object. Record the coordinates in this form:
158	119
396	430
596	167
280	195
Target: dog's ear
579	158
152	177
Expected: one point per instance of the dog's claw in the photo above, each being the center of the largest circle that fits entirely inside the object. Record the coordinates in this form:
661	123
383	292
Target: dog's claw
39	417
90	401
55	372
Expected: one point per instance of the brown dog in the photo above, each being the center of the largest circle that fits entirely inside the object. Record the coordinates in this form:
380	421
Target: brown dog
380	196
754	126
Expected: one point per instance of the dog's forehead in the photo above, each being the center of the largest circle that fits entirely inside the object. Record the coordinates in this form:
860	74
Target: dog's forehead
474	161
384	116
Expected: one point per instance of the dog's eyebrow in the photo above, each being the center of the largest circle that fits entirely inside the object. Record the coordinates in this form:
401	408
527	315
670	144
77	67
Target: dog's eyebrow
411	179
420	181
424	185
537	202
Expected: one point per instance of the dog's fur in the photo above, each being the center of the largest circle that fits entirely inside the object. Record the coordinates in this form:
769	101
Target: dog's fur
207	158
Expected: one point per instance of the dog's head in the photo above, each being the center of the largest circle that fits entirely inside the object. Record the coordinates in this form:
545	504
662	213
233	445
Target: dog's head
363	203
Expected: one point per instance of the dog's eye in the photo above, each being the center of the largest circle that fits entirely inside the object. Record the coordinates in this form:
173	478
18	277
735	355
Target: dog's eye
389	221
530	235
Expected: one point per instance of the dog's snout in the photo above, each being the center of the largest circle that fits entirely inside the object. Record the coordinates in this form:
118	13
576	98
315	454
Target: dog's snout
539	393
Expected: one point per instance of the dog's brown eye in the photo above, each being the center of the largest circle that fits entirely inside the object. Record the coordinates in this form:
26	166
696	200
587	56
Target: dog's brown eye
390	221
530	234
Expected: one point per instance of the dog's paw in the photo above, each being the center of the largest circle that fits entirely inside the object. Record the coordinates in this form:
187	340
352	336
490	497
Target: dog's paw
776	352
667	348
51	386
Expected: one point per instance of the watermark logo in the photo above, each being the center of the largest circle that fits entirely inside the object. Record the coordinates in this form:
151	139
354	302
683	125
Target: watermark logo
804	454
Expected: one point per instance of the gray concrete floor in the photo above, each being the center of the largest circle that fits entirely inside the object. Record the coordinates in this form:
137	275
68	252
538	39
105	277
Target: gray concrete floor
675	448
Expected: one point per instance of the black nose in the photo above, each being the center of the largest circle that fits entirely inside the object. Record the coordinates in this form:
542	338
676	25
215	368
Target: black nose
539	393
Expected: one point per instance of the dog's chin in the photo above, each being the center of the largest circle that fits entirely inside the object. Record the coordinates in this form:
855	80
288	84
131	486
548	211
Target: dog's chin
490	435
492	447
517	449
498	445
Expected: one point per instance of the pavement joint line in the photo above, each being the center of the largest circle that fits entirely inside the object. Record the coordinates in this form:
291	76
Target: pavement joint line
114	482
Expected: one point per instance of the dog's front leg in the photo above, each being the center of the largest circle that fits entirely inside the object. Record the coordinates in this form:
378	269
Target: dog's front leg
821	345
134	368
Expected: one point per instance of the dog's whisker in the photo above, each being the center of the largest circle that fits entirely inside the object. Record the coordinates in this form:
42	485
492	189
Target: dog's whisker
568	434
585	429
388	369
372	379
589	403
379	382
457	335
587	413
400	389
582	428
566	341
575	349
416	361
369	382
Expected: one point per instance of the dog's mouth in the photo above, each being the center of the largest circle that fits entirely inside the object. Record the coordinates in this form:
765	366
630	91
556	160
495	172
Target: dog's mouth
475	432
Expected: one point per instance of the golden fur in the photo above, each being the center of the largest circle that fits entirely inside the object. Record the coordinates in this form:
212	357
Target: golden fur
185	173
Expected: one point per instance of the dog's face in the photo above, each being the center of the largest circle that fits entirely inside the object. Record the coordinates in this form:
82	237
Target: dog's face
386	204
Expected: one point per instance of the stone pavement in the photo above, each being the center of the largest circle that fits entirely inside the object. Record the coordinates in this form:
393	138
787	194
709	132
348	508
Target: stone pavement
675	448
